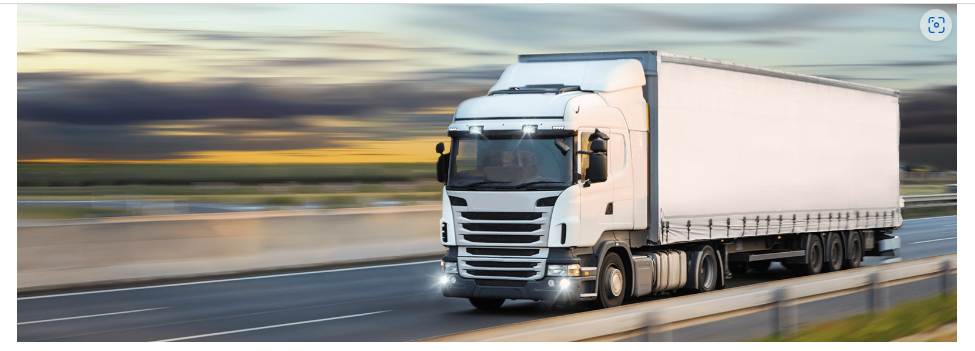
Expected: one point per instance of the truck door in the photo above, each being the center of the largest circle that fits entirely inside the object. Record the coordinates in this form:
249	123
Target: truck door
621	174
596	198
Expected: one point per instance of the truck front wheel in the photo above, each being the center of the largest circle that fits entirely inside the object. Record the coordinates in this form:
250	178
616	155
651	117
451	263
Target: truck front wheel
486	304
611	284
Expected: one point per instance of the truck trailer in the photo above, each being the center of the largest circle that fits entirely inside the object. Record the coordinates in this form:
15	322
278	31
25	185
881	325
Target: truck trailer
600	176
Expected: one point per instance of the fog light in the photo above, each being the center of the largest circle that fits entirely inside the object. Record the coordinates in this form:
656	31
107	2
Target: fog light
453	280
564	283
551	282
476	129
529	128
443	280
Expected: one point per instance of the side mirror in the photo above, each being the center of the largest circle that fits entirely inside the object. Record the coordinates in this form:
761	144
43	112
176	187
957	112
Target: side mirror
598	145
598	168
443	167
562	146
443	164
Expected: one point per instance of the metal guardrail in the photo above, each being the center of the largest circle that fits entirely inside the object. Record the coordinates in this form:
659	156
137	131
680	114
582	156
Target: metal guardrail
930	200
657	319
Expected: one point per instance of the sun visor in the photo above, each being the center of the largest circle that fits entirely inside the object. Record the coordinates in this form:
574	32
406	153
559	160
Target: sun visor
600	75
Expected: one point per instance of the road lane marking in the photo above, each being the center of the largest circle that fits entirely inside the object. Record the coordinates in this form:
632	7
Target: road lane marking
928	241
94	315
225	280
269	327
950	225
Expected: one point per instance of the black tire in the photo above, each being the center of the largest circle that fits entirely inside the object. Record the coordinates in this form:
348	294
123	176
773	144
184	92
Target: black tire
486	304
738	268
814	257
856	252
834	252
707	273
612	274
760	266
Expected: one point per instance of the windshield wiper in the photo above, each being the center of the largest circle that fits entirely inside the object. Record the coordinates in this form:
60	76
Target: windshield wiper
468	186
533	183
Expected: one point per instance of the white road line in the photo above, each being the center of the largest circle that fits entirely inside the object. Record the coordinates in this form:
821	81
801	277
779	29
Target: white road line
94	315
268	327
224	280
951	225
928	241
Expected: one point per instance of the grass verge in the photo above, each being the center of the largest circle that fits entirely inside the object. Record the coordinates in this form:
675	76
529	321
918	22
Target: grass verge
922	212
908	318
68	212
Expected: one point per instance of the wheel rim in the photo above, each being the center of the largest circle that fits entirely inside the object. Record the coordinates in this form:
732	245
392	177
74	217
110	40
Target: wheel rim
615	281
834	254
707	272
817	258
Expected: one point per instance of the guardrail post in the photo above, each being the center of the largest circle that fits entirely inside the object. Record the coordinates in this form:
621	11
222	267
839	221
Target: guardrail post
878	293
786	315
946	267
655	329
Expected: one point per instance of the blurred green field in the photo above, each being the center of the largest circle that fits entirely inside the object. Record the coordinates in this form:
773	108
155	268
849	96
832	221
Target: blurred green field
903	320
923	189
92	174
67	212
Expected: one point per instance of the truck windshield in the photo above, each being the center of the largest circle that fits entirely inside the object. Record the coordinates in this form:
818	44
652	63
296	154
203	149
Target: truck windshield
479	162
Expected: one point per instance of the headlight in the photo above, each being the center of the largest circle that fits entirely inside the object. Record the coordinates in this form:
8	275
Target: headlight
449	267
562	270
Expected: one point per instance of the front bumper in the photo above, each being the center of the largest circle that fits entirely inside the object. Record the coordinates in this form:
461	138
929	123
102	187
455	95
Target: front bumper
579	289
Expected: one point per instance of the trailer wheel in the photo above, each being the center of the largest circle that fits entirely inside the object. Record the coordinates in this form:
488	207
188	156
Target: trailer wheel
486	304
611	286
834	252
814	258
856	252
760	266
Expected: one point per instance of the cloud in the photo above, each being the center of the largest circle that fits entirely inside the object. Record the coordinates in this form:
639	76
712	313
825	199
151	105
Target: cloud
115	101
584	24
929	116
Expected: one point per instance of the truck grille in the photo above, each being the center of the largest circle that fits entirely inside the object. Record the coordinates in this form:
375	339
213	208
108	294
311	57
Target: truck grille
514	274
506	239
502	216
501	227
497	264
501	252
501	268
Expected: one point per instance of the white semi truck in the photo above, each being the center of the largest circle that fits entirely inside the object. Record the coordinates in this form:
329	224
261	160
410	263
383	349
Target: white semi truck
600	176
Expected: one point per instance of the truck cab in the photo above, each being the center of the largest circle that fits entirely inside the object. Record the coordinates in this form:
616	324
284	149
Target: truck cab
541	165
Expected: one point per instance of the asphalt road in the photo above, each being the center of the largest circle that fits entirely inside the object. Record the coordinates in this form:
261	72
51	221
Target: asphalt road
397	302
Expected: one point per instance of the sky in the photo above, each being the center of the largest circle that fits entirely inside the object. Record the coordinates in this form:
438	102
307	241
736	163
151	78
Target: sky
354	83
